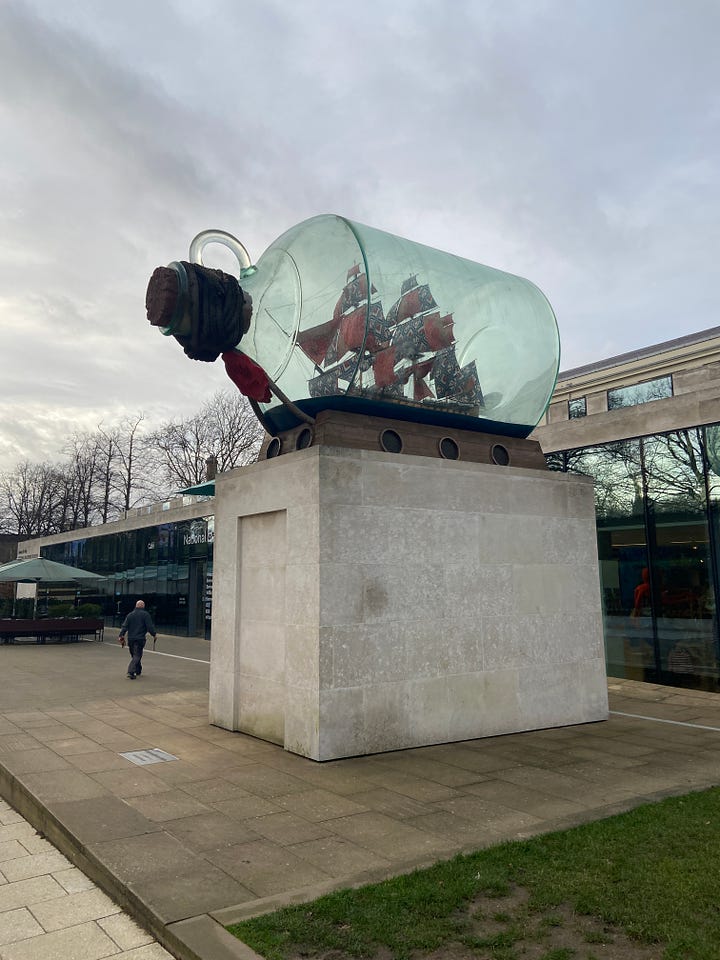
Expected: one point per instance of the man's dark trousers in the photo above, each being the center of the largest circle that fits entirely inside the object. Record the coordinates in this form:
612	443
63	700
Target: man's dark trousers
136	651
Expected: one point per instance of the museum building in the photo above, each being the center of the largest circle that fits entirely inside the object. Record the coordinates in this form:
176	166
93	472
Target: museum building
644	425
162	553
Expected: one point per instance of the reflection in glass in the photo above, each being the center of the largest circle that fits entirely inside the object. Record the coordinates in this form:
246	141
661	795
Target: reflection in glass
681	557
639	393
577	408
161	564
657	510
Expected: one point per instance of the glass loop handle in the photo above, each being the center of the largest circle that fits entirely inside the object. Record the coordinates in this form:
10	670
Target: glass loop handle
227	240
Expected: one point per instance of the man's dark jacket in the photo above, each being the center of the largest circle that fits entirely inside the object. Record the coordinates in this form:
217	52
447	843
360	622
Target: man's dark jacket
136	624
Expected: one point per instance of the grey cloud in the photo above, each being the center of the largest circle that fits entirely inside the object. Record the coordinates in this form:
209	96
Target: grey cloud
575	144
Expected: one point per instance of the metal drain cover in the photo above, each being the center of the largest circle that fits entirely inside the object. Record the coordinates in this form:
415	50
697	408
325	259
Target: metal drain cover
143	757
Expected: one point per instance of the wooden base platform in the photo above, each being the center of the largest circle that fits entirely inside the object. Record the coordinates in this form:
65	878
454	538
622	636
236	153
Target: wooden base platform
339	429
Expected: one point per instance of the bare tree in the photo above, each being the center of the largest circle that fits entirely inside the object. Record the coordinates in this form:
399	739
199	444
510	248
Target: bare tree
106	472
665	469
674	469
237	435
125	467
181	450
566	461
33	500
82	472
615	469
225	429
107	459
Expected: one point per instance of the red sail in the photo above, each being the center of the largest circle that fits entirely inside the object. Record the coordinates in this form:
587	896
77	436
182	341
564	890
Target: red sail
385	367
439	331
352	329
423	369
409	306
315	341
415	301
354	293
421	391
385	373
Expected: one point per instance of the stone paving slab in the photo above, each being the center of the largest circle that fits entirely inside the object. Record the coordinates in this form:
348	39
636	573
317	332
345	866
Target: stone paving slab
51	911
235	825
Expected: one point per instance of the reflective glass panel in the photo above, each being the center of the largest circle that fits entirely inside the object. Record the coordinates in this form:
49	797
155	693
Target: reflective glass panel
616	469
681	560
623	557
153	563
577	408
711	438
658	524
640	393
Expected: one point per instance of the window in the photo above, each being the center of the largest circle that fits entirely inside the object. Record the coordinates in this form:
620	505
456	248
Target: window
165	564
577	408
658	527
640	393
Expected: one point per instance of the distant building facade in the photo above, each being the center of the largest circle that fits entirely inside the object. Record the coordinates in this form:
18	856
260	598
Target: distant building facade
646	427
162	554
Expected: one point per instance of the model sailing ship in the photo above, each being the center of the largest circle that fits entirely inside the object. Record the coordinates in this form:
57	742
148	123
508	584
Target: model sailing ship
407	356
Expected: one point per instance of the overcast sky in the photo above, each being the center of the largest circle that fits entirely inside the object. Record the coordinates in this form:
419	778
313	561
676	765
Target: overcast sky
574	143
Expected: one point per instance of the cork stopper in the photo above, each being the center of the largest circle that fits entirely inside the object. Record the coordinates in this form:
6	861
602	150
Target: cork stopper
162	295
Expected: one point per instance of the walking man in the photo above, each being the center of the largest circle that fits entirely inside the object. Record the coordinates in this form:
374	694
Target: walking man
136	625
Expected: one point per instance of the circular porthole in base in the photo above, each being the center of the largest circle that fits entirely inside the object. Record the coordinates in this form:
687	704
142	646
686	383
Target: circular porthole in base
274	448
304	438
500	455
448	449
391	441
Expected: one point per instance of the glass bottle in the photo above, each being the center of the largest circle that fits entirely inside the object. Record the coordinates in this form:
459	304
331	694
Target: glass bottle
352	318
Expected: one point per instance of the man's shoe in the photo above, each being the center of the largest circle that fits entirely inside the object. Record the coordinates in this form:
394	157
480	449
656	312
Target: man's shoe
131	676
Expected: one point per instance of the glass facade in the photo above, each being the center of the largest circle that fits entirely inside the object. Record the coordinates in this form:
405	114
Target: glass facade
657	501
169	566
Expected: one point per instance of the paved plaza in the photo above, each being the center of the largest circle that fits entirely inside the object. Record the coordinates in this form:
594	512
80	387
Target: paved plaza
49	910
235	825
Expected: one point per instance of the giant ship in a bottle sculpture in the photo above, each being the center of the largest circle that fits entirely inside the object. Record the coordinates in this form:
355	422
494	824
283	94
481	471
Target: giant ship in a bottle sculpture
339	317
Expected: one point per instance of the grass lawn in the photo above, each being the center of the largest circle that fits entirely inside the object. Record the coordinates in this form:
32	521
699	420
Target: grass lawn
642	884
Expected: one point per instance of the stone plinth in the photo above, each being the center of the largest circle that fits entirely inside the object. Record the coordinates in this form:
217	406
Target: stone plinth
366	601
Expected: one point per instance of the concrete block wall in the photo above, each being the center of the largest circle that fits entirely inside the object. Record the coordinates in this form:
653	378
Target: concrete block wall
367	602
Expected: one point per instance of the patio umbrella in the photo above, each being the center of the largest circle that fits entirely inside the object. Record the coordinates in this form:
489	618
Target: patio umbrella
40	570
